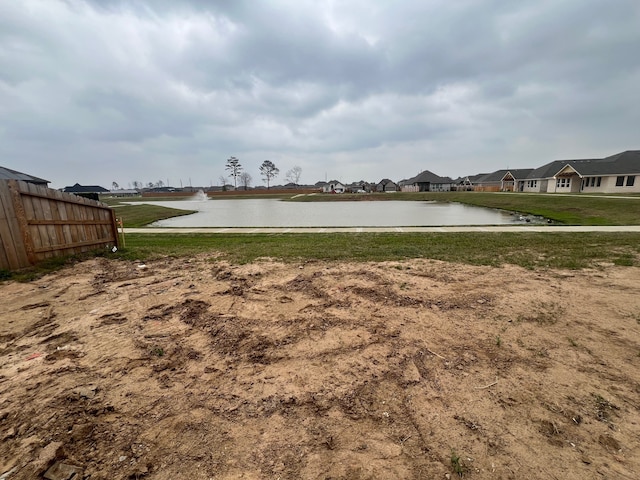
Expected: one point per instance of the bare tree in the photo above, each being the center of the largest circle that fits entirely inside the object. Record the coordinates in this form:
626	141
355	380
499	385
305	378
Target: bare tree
293	175
233	165
223	182
245	180
268	171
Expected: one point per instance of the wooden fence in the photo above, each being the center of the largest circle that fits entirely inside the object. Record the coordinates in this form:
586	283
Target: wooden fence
37	223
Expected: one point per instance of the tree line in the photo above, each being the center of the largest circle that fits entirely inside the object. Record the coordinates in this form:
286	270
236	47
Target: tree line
268	171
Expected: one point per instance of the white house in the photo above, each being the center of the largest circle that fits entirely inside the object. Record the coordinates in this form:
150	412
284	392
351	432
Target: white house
333	187
619	173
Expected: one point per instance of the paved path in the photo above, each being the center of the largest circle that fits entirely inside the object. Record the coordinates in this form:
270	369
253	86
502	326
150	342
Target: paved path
484	228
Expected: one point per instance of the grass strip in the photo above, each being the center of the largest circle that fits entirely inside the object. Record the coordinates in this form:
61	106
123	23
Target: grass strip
529	250
564	209
143	214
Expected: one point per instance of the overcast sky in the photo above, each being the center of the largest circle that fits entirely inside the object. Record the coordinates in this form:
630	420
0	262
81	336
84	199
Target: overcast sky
107	91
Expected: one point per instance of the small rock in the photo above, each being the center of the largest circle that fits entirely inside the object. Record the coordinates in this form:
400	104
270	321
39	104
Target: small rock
88	392
62	471
122	458
10	434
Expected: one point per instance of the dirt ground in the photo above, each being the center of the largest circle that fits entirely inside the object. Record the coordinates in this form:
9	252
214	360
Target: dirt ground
200	369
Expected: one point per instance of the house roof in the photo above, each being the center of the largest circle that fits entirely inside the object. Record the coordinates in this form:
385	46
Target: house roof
8	174
77	188
623	163
474	178
550	169
620	163
491	177
427	177
519	173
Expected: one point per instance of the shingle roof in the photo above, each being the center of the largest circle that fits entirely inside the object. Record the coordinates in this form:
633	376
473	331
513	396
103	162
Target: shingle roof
519	173
77	188
8	174
427	177
550	169
621	163
492	177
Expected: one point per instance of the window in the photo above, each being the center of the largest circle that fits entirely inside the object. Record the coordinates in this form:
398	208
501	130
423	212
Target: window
619	181
563	183
631	179
599	181
593	181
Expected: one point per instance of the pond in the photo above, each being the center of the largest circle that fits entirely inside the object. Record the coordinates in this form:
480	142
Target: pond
277	213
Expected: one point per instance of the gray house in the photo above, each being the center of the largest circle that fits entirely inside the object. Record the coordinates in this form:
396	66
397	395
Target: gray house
386	185
427	181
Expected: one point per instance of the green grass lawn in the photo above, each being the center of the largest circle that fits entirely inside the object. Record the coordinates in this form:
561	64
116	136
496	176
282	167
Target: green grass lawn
141	215
564	209
529	250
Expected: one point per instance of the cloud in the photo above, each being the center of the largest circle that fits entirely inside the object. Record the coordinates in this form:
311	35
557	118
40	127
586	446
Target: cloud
96	91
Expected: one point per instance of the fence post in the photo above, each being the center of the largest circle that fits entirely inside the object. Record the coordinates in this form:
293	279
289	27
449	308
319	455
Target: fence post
21	218
114	228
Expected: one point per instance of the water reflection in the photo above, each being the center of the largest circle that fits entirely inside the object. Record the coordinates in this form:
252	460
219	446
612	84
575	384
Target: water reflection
276	213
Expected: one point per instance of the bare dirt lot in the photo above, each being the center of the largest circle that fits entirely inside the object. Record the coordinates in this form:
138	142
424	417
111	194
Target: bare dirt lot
200	369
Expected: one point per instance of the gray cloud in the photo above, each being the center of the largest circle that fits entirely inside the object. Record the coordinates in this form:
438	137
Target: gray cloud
97	91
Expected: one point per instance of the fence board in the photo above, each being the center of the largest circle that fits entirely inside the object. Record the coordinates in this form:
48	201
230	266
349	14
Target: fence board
37	223
6	238
16	253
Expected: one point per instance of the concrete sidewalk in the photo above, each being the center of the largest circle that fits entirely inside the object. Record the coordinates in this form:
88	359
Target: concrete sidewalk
484	228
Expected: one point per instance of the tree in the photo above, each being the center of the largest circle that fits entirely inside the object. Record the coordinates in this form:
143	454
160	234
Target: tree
245	180
233	165
293	175
268	171
115	186
137	185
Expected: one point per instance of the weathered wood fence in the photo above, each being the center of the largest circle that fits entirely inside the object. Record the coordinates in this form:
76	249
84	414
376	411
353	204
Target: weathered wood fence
37	223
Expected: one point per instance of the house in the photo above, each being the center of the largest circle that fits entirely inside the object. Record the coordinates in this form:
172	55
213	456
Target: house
86	191
426	181
386	185
77	188
487	182
8	174
359	187
467	184
333	186
511	180
619	173
514	180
